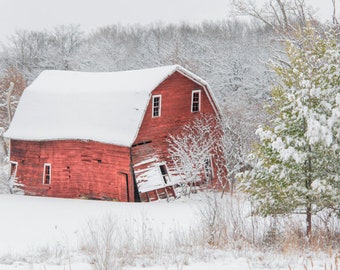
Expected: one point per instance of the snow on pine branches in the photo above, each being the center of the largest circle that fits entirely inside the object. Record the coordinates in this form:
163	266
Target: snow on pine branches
296	163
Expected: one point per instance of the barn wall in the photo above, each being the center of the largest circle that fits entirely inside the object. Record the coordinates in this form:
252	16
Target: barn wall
175	111
79	169
176	92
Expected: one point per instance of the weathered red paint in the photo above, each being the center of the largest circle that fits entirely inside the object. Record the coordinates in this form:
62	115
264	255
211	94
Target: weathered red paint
104	171
78	169
176	92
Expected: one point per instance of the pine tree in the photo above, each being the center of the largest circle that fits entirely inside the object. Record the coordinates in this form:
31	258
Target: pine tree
297	160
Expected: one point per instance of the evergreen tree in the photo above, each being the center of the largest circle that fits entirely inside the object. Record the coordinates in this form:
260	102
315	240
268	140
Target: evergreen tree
297	161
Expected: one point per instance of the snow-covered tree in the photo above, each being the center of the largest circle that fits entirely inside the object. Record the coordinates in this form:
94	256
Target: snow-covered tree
31	52
28	51
10	94
8	183
280	15
296	163
65	45
191	150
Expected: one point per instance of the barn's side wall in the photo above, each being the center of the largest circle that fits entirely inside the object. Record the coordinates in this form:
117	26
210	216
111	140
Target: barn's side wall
176	95
78	169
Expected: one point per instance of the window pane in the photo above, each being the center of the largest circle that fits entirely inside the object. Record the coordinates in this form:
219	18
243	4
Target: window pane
156	106
164	173
155	111
195	101
163	170
47	174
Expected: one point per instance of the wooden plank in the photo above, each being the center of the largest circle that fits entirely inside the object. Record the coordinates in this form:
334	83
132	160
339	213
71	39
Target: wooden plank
79	169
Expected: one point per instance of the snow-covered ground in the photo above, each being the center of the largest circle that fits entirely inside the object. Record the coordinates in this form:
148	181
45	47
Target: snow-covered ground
49	233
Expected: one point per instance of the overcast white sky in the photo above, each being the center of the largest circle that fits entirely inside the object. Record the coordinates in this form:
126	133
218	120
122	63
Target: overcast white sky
90	14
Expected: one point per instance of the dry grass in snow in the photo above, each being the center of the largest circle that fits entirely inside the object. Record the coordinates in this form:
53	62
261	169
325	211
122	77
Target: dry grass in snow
202	232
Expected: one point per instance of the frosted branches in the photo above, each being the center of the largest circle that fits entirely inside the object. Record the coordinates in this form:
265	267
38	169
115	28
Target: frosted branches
191	149
209	142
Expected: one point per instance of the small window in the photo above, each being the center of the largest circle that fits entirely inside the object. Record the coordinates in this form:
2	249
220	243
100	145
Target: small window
156	105
208	169
14	168
195	101
47	174
165	174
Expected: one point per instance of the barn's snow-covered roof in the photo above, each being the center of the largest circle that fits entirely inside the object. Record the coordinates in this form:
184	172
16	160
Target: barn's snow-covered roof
102	106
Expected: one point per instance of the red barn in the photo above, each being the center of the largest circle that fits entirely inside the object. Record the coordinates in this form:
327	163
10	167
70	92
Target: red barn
103	135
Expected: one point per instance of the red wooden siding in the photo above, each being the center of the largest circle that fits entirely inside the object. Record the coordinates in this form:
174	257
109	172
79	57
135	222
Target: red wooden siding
176	94
78	169
104	171
176	111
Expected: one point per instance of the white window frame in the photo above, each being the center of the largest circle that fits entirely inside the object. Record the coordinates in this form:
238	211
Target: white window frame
199	100
44	174
159	106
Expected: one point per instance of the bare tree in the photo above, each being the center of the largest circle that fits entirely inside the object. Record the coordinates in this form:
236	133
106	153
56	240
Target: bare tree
191	149
3	144
9	98
12	85
227	139
236	141
335	20
66	42
7	104
233	150
281	15
8	182
28	52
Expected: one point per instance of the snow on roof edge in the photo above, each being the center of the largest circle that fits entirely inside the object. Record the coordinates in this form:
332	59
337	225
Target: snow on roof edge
68	139
203	83
176	68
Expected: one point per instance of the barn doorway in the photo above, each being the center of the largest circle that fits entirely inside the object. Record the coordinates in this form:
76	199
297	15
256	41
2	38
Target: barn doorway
124	187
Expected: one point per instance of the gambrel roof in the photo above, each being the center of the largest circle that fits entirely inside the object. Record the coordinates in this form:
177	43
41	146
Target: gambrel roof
102	106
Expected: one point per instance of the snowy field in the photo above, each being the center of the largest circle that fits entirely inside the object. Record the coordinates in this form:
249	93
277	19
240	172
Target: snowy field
57	234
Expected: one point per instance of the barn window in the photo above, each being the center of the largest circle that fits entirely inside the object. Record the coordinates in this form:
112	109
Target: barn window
156	105
208	169
14	168
195	101
47	174
164	173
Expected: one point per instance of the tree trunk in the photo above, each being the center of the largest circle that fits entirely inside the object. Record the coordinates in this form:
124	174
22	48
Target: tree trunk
308	199
309	222
3	145
335	21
